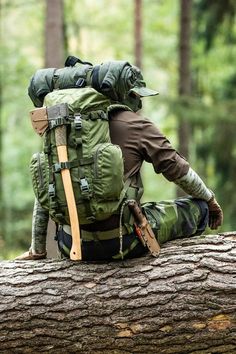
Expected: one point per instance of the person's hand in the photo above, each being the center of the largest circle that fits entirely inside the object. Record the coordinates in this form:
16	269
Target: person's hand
215	214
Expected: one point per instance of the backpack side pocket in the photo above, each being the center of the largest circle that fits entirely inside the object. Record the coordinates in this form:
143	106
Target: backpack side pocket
108	172
39	171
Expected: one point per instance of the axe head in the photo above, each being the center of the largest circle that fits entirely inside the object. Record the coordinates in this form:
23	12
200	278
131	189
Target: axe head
39	120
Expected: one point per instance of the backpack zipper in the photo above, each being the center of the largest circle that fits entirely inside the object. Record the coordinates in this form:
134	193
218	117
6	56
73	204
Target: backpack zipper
97	152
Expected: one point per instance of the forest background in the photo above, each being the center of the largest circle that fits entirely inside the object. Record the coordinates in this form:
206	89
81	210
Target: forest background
186	50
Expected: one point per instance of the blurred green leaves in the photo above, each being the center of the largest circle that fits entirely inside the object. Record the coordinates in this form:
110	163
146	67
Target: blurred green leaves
102	30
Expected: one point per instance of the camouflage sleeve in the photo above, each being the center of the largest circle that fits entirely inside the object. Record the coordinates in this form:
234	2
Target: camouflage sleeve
193	185
39	228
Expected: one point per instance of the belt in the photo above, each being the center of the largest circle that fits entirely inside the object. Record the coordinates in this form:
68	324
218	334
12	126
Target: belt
100	235
102	225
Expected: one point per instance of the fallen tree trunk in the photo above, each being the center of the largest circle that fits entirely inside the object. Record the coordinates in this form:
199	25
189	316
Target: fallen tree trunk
182	302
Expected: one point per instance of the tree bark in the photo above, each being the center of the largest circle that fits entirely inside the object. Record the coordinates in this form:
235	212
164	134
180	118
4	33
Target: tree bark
184	77
182	302
54	58
138	33
2	208
54	34
184	71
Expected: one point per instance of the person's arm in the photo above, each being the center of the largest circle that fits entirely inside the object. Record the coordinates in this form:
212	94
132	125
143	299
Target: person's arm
39	228
193	185
39	233
157	149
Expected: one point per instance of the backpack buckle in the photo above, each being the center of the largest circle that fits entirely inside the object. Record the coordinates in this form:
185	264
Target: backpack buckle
80	82
84	186
57	167
51	190
78	122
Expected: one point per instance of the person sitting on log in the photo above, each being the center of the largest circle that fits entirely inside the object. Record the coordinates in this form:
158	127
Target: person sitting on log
129	231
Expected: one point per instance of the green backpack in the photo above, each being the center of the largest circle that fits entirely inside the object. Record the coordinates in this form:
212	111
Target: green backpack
96	165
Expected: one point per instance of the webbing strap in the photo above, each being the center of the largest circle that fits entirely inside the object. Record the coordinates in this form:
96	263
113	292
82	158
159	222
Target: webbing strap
125	188
72	60
53	205
58	115
102	235
55	122
57	167
98	235
81	162
95	78
130	192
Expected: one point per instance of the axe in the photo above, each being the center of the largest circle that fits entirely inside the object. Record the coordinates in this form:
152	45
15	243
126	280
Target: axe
40	118
60	137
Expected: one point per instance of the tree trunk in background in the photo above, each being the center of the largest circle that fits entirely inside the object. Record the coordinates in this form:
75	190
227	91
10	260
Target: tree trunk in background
54	34
184	71
1	144
138	33
2	209
1	83
182	302
184	76
54	57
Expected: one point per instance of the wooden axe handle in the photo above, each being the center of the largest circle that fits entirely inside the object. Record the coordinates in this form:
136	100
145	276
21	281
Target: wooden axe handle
60	136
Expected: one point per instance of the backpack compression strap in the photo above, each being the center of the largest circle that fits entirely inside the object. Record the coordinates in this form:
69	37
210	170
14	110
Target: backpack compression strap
72	60
61	143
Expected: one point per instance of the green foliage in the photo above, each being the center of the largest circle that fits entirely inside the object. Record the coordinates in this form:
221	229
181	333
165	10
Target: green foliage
215	38
212	15
21	53
99	30
102	30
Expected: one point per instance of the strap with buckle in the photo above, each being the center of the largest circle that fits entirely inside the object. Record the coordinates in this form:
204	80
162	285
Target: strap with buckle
84	186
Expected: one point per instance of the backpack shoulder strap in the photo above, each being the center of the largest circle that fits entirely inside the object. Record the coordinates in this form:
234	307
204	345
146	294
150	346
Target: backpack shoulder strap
118	106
